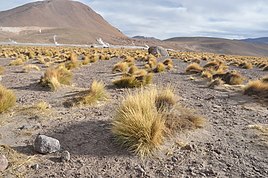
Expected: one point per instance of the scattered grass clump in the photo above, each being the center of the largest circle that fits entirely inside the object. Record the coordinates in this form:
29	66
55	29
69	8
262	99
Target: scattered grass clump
7	99
134	80
246	65
149	116
96	94
230	78
120	67
138	125
30	67
55	77
194	68
160	67
257	88
16	62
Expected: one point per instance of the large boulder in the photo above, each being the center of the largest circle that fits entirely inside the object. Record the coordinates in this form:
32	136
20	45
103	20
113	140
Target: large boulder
158	50
44	144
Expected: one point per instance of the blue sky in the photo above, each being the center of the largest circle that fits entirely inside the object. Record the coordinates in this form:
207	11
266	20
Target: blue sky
169	18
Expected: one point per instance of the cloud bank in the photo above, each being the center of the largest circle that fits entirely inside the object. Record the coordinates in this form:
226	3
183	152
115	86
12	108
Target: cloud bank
171	18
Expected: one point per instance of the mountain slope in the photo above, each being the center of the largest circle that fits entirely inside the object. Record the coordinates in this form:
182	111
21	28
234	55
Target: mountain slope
263	40
218	45
75	18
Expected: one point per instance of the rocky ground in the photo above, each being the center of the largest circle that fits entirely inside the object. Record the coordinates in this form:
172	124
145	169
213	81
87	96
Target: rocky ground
226	147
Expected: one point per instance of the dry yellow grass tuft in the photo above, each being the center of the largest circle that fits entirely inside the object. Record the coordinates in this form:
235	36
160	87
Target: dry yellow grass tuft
7	99
55	77
16	62
257	88
96	94
230	78
136	80
147	117
120	67
137	123
30	67
160	67
194	68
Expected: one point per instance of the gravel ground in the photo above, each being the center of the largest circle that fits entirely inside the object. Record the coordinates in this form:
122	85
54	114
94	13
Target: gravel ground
224	148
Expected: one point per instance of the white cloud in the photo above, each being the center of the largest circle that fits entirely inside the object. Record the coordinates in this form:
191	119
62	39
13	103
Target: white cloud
169	18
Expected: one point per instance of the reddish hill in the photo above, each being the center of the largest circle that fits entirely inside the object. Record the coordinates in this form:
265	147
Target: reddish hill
71	21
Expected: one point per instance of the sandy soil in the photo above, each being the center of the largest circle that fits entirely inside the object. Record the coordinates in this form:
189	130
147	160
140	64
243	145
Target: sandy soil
224	148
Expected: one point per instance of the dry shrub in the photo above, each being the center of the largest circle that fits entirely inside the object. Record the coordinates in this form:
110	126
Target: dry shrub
7	99
246	65
133	69
120	67
149	116
194	68
55	77
206	74
265	68
168	61
165	99
257	88
138	125
212	64
30	67
73	63
133	81
160	67
96	94
265	79
16	62
230	78
86	60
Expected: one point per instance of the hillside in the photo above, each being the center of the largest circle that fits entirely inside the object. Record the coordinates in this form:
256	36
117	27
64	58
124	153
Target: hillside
71	21
218	45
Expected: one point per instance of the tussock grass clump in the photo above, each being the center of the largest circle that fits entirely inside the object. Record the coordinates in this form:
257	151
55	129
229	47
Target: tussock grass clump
246	65
16	62
194	68
133	69
160	67
136	80
167	62
120	67
138	125
73	63
230	78
149	116
265	79
7	99
265	68
206	74
165	99
257	88
55	77
96	94
30	67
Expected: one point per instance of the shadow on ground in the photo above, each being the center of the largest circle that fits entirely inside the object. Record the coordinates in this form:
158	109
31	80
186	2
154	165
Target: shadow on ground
88	138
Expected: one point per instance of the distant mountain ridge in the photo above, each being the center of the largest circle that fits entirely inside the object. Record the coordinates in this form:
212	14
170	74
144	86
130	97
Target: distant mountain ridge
263	40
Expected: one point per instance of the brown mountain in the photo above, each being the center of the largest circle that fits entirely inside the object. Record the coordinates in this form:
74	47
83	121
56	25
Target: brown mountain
71	21
218	45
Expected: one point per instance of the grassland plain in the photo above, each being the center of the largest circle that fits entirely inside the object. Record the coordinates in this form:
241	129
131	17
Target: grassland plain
226	147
